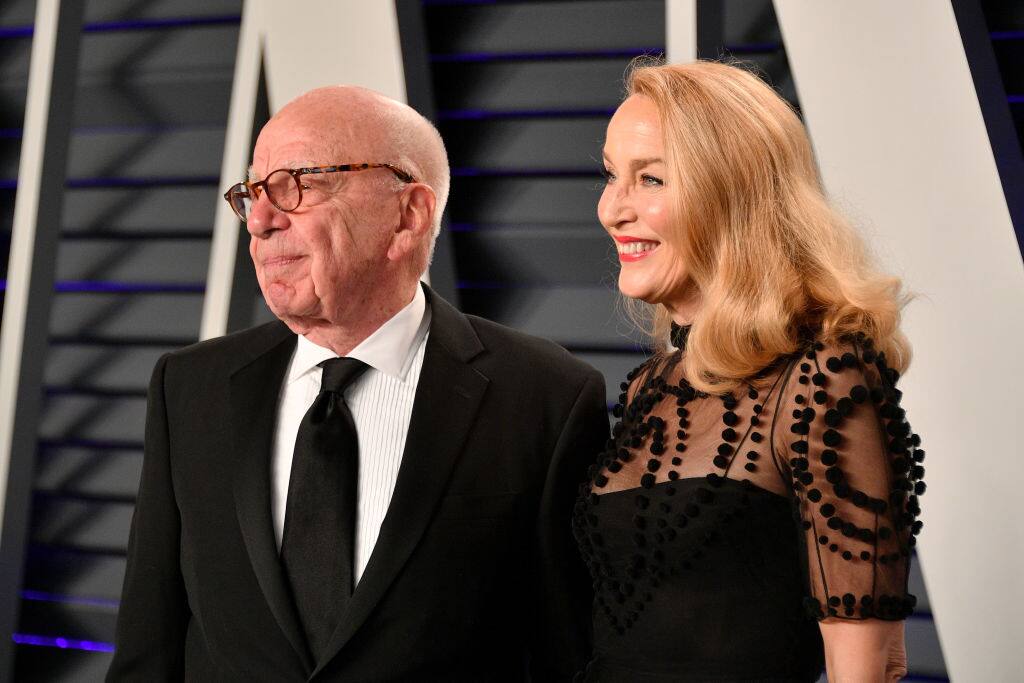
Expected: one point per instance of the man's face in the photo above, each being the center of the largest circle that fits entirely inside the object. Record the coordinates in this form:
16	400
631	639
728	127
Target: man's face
319	262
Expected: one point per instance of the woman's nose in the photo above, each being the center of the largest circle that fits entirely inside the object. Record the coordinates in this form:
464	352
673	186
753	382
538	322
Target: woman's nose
615	207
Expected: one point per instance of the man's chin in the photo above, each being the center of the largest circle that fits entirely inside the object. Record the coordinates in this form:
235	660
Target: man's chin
299	324
283	304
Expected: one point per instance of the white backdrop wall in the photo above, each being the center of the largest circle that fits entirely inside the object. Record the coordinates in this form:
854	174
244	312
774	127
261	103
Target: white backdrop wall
680	30
888	97
330	41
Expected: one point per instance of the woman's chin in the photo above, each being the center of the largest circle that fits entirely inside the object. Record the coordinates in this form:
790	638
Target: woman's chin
635	290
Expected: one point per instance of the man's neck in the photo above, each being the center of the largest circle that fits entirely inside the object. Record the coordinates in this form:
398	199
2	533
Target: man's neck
342	337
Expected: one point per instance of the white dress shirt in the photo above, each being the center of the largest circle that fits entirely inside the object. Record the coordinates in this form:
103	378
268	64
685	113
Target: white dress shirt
381	403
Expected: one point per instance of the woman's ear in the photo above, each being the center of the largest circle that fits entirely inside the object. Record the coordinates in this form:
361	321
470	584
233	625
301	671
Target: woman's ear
416	207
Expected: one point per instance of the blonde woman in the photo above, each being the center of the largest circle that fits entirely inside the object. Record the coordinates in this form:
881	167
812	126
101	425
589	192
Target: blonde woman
754	516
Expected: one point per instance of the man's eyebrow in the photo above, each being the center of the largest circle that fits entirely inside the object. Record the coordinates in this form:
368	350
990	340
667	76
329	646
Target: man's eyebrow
250	173
287	164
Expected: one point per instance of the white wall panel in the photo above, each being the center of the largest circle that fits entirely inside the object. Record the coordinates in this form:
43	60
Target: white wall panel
324	42
680	31
888	97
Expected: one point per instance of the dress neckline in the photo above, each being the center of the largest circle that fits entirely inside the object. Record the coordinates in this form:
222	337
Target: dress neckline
693	481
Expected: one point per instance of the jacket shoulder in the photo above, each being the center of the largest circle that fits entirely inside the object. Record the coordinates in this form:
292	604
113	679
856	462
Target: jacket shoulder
235	346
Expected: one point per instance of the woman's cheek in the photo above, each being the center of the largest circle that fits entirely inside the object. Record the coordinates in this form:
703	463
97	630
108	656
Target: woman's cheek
657	219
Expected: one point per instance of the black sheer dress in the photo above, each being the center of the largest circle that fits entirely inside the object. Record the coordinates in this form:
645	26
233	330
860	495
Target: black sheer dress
719	529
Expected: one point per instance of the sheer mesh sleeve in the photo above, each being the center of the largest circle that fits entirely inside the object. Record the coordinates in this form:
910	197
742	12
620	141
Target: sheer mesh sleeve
856	471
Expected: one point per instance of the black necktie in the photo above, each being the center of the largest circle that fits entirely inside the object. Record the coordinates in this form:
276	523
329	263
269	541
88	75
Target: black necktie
318	544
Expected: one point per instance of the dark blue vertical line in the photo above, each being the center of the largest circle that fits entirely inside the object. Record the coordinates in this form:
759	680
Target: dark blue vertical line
995	108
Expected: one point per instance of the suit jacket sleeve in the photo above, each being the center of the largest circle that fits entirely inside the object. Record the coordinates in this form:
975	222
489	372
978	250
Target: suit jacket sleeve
562	637
154	614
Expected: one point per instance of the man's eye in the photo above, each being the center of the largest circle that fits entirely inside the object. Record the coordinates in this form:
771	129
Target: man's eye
652	181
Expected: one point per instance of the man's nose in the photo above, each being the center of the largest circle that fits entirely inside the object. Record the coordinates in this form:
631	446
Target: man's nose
265	218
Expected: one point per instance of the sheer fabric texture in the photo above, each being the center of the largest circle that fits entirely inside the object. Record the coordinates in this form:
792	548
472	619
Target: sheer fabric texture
718	529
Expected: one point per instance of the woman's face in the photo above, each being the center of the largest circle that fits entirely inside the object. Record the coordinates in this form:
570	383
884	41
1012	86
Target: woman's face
634	206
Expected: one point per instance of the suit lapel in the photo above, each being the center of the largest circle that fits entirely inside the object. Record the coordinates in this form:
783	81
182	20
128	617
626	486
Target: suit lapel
255	389
447	399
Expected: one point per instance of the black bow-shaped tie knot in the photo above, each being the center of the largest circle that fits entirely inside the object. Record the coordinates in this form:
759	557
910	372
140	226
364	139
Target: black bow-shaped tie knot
340	372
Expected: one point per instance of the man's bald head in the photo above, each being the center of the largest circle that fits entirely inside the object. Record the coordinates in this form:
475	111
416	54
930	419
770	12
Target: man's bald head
359	122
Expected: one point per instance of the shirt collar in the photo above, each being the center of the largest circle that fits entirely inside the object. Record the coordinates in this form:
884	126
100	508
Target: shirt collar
390	349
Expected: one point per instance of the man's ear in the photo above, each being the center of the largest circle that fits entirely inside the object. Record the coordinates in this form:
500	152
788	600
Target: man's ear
416	212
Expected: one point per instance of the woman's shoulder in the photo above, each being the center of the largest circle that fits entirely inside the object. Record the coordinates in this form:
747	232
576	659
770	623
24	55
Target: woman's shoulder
834	375
854	356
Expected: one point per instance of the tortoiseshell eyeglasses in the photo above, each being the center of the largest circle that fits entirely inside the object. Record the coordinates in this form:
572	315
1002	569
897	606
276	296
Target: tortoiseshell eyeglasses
284	189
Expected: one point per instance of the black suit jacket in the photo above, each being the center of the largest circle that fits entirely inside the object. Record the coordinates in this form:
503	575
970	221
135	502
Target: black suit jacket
475	575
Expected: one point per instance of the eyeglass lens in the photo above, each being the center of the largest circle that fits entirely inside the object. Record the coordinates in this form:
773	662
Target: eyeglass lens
282	189
241	202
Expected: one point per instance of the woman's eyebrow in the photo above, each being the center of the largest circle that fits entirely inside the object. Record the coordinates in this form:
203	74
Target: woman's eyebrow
640	163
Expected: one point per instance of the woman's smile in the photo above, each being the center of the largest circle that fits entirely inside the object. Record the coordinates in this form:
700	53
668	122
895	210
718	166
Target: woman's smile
633	249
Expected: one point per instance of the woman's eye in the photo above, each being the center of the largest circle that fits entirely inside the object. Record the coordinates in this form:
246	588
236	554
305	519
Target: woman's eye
608	175
651	181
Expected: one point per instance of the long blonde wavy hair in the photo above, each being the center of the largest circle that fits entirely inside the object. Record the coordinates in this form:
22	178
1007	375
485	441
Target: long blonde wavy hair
767	254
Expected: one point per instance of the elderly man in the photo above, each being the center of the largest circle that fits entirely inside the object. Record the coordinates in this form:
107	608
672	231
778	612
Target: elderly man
377	487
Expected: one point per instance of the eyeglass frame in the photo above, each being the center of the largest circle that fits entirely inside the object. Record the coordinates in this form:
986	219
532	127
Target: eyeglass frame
254	192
